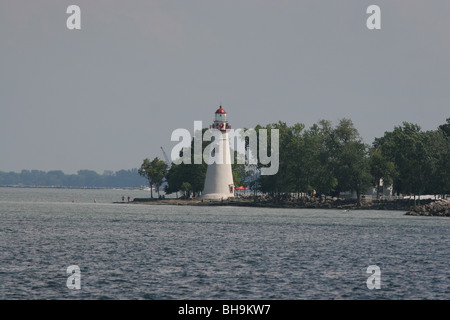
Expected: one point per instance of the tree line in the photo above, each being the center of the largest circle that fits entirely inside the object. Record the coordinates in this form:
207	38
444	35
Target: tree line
331	159
83	178
328	159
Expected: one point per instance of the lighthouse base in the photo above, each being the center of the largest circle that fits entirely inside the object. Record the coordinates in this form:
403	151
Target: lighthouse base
217	196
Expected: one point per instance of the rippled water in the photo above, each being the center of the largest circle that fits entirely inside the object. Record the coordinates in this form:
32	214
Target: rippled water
128	251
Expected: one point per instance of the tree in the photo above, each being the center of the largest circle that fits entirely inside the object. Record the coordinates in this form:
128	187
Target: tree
409	148
443	164
154	171
348	157
437	175
240	175
88	177
320	141
186	187
181	175
174	179
353	168
192	174
55	178
445	128
280	182
381	169
298	157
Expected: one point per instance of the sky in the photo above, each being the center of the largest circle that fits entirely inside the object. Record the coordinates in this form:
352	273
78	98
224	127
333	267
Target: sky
110	94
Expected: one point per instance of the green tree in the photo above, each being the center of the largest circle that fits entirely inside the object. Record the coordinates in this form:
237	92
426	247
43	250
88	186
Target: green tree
381	169
154	171
445	128
193	174
186	187
88	177
320	140
442	174
281	182
437	167
348	156
174	179
240	174
353	168
406	146
297	160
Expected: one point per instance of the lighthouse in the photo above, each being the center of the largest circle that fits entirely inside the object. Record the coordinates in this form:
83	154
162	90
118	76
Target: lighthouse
219	177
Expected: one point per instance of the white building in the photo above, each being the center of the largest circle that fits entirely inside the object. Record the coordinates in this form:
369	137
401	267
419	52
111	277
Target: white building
219	177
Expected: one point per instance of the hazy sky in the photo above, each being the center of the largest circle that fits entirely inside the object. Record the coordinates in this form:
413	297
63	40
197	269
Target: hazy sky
109	95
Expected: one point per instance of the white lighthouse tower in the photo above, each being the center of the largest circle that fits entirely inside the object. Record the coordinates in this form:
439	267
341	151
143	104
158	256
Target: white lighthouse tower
219	177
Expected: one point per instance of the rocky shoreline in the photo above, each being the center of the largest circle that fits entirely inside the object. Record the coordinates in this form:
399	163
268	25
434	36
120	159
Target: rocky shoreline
427	207
439	208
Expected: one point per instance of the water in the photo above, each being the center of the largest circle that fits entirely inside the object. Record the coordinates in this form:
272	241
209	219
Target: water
128	251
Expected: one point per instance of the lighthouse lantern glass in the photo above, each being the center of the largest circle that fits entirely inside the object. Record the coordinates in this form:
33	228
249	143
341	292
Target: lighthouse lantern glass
221	117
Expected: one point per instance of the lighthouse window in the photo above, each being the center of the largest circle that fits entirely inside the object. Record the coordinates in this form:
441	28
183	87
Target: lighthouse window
221	117
213	151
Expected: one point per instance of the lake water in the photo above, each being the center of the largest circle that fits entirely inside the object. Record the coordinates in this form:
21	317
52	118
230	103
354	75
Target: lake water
129	251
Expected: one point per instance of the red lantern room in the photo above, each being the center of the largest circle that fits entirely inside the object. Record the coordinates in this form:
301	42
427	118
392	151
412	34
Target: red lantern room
220	120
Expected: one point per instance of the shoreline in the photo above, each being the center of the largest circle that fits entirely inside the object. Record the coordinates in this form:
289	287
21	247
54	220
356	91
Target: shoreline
427	207
424	207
